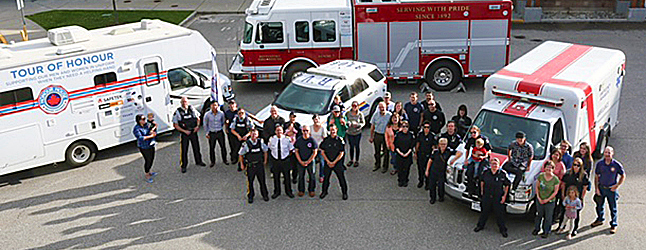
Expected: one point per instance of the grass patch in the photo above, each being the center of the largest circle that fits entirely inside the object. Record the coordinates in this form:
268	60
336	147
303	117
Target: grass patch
93	19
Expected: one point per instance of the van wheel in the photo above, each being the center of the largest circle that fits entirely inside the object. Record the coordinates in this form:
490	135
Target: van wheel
602	142
294	70
80	153
443	76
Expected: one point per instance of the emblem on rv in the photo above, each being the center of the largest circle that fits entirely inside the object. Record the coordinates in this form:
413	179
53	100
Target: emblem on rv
53	99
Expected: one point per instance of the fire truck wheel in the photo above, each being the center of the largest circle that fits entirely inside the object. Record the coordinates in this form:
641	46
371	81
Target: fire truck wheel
294	69
80	153
443	76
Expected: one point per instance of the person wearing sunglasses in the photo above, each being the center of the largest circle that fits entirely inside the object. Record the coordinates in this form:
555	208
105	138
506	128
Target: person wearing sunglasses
405	152
145	136
578	178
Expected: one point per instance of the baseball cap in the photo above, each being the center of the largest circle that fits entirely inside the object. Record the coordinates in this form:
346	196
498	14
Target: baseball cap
292	114
336	108
520	135
387	95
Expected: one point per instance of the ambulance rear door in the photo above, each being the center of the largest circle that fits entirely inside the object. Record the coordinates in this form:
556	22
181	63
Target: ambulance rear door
156	95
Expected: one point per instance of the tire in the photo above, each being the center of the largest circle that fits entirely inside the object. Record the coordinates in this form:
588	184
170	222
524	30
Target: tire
373	109
602	142
443	76
293	69
80	153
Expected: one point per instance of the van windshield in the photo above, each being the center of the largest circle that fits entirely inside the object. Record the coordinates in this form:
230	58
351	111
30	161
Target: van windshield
304	100
248	32
501	130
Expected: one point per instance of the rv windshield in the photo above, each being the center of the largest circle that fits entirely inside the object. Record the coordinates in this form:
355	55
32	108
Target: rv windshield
501	130
304	100
248	32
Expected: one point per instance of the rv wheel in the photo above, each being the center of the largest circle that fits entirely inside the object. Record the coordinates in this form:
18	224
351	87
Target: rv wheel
80	153
443	76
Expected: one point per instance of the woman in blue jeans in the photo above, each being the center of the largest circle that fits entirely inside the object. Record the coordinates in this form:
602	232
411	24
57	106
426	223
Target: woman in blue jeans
319	133
546	188
355	120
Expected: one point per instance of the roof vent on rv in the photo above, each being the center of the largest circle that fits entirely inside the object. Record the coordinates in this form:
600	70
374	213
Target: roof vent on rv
147	24
68	35
4	54
121	31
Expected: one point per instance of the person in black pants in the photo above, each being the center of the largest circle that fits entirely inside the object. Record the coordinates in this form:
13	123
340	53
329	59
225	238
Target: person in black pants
333	148
280	147
253	157
145	136
214	122
494	187
186	120
425	144
404	147
436	168
306	152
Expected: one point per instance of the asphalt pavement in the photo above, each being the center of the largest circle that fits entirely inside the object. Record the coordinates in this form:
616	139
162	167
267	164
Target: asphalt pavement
107	204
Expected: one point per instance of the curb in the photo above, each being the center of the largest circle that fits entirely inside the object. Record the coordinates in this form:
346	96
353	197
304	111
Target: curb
188	19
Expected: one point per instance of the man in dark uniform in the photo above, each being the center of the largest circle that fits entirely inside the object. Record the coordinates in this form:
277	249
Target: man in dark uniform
425	144
435	117
297	127
452	135
240	126
332	148
494	187
281	147
271	123
253	157
186	120
229	114
414	111
436	168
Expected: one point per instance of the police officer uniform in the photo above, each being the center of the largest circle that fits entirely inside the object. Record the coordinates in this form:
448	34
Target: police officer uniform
254	153
495	187
425	143
242	127
404	142
332	148
188	119
436	119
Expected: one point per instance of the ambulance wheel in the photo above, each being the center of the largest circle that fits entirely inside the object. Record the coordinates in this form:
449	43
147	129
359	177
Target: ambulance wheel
294	70
80	153
442	76
602	142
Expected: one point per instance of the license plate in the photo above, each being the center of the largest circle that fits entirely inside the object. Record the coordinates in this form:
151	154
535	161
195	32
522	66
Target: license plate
476	206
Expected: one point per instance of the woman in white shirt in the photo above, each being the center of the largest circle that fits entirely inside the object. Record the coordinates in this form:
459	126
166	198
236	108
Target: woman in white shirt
318	133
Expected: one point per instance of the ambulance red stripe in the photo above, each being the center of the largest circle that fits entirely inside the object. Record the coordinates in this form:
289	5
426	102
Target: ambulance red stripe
534	83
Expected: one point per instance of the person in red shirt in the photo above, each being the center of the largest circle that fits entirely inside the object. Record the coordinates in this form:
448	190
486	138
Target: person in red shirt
476	165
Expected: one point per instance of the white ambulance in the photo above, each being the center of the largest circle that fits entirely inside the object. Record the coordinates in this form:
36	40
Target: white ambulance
556	91
65	97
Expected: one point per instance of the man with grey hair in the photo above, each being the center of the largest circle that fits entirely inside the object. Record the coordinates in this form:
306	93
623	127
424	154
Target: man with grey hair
609	175
378	124
270	124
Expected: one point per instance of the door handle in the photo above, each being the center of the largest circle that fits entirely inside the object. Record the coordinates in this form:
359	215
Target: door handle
262	46
149	99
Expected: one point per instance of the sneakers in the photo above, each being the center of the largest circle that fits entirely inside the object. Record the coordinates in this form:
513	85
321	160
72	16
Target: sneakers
356	164
596	223
573	233
290	195
350	163
535	232
149	180
300	194
394	172
613	230
322	196
569	237
561	231
153	174
312	194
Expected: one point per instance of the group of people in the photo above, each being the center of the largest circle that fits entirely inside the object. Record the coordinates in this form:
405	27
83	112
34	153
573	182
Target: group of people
401	134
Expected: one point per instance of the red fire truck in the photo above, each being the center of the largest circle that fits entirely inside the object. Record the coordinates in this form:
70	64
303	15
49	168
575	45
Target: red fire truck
440	41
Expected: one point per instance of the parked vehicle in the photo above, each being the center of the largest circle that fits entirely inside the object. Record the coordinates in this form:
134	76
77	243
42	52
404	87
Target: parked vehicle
439	41
556	91
65	97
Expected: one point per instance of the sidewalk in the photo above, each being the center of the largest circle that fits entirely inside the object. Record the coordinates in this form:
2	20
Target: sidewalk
11	23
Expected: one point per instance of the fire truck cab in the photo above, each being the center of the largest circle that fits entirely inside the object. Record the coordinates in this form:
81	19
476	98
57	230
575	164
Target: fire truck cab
554	92
439	41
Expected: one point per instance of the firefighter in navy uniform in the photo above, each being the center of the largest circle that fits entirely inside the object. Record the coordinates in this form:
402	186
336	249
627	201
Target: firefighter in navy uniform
186	120
332	148
494	187
253	158
425	144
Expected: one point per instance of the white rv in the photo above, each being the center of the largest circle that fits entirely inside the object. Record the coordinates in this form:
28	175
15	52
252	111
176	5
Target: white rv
556	91
65	97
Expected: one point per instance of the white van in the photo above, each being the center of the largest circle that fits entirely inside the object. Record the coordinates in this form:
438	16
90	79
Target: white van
556	91
65	97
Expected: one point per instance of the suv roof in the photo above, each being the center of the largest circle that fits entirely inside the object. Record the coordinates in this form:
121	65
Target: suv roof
330	75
